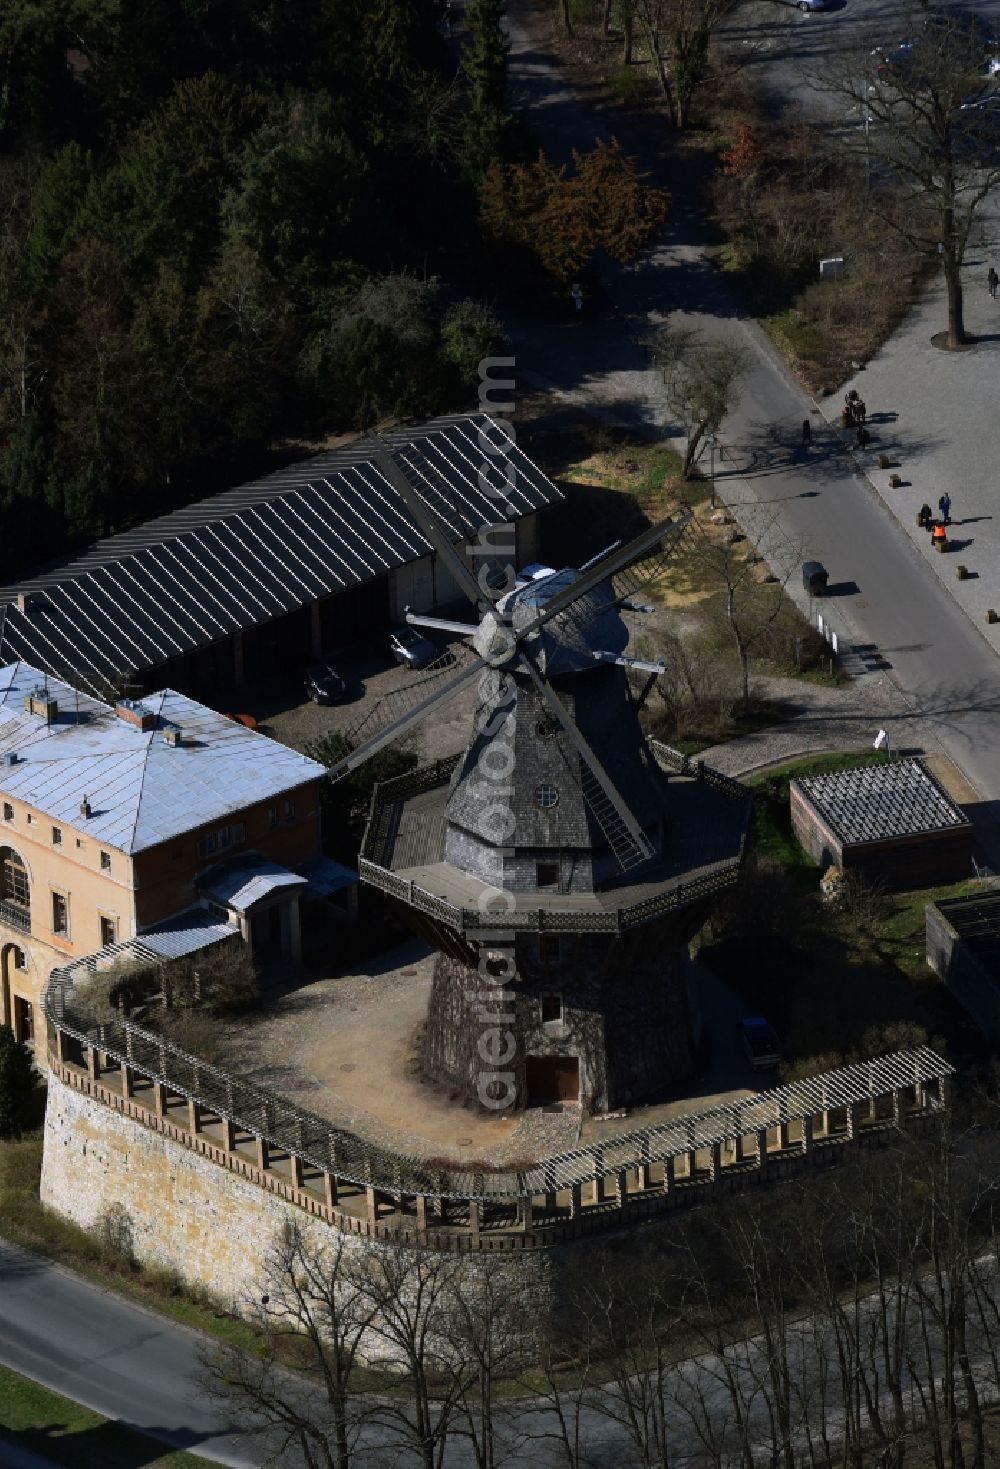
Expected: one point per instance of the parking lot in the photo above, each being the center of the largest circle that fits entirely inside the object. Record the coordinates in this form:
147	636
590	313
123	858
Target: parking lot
282	710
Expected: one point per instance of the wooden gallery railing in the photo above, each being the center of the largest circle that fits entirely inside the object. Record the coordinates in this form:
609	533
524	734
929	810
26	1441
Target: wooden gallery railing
364	1189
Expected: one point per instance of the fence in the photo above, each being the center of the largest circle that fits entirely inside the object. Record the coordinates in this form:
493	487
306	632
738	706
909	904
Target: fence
375	864
357	1185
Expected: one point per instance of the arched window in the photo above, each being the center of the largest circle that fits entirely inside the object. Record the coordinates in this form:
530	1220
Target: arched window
14	886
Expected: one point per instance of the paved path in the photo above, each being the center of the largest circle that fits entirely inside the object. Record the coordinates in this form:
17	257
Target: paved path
887	600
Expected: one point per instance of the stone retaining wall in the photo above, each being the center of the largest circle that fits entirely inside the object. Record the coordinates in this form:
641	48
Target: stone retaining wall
211	1227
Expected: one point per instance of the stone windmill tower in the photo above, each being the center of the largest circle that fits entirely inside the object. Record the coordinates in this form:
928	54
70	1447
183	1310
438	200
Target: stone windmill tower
557	866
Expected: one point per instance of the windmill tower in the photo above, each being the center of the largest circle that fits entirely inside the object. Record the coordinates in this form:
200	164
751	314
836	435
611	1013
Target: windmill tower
556	866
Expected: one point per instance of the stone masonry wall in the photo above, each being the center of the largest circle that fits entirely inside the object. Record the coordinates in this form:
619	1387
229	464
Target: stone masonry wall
190	1216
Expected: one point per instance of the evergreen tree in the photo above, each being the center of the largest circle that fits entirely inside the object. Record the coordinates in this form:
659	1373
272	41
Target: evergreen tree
484	63
17	1084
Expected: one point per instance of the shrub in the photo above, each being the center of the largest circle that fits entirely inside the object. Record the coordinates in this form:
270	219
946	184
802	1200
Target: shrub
115	1232
469	332
223	979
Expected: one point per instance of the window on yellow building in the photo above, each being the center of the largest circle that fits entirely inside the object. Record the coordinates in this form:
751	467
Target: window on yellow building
109	931
105	861
60	914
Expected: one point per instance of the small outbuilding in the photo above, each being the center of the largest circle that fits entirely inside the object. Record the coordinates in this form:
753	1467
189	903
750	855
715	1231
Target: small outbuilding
894	822
963	949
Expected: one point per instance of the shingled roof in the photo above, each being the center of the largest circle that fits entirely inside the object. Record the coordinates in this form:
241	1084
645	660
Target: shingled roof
141	791
251	554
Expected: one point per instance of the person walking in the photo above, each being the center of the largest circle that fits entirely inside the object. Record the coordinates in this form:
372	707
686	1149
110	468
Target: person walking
944	505
576	291
992	281
807	433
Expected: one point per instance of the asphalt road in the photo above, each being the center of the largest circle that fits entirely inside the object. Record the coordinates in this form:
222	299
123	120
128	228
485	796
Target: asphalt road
783	50
110	1355
818	505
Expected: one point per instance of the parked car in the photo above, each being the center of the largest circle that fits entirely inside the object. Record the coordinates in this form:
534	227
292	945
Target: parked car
814	578
323	684
411	649
955	31
760	1043
806	5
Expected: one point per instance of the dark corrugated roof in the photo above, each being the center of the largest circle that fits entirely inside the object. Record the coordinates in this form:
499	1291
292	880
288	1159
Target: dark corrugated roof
255	552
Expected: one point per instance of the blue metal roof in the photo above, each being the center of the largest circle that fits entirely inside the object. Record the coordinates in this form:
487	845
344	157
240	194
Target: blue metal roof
141	790
243	883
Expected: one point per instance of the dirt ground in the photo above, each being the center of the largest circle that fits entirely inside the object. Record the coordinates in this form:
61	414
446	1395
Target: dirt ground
345	1048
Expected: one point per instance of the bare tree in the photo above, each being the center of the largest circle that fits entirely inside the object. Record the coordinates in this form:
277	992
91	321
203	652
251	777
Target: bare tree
753	596
629	1315
485	1322
863	905
411	1296
700	381
316	1313
926	134
677	34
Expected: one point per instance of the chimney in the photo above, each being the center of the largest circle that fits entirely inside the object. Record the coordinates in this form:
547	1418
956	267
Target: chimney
24	601
85	809
134	713
11	757
172	735
41	702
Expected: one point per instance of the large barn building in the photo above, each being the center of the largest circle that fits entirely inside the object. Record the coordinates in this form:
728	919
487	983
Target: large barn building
267	575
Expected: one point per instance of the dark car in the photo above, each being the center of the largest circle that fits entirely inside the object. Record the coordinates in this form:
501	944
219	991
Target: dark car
814	578
324	684
953	32
760	1043
411	649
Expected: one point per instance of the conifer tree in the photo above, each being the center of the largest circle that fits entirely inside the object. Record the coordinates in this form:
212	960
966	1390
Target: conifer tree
484	63
17	1084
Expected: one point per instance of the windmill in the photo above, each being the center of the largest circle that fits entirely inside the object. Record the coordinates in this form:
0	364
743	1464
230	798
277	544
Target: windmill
559	816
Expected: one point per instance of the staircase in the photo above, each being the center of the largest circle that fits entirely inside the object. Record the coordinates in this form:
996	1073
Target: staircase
628	851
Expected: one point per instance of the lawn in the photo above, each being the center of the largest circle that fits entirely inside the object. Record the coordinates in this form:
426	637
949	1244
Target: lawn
60	1431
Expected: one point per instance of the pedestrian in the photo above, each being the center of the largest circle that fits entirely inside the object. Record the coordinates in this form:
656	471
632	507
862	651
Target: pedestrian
992	281
847	415
807	433
860	411
924	516
576	291
944	505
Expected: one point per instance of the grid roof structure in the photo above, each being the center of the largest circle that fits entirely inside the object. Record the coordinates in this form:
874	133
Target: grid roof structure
254	553
185	933
875	803
141	791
